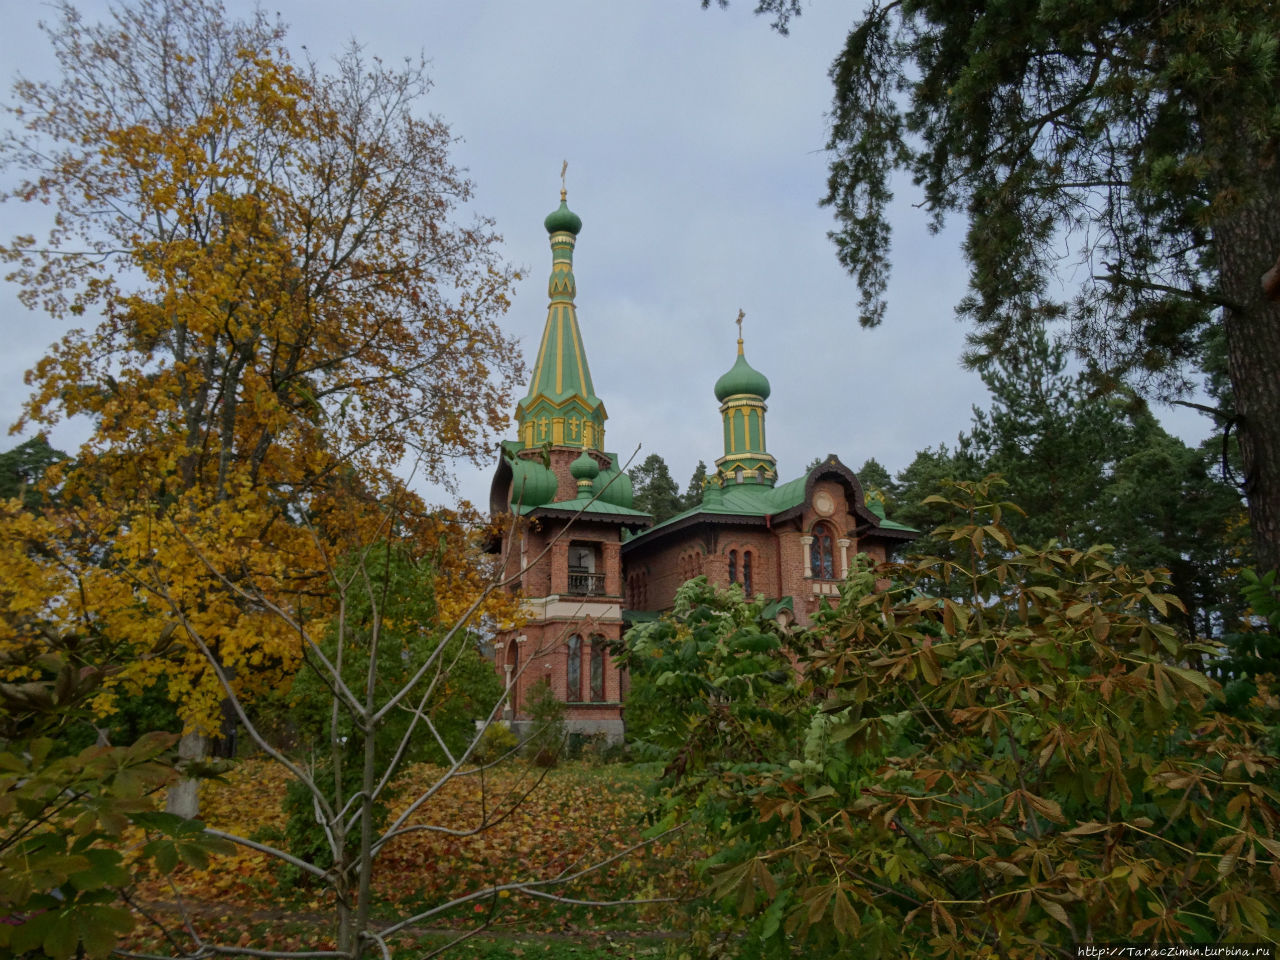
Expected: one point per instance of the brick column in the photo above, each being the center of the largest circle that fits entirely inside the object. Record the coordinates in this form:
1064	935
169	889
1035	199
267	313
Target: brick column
612	569
560	566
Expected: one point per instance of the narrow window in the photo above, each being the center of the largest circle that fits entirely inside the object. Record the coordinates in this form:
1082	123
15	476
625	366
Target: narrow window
573	676
597	670
746	572
514	702
821	559
733	566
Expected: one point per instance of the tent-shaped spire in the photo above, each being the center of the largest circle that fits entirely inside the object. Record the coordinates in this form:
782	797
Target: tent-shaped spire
561	408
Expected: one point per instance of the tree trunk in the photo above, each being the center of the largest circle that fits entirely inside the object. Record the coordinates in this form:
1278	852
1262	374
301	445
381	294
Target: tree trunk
1248	243
184	796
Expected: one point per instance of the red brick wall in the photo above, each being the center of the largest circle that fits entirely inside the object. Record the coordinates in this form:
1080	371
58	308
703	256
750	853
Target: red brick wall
665	568
763	546
779	557
545	650
545	655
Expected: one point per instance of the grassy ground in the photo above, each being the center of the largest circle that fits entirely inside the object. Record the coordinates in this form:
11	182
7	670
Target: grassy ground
579	815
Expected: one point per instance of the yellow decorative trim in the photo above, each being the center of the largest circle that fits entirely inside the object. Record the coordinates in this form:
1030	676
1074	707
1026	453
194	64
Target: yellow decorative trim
557	431
571	398
560	341
542	352
577	347
729	464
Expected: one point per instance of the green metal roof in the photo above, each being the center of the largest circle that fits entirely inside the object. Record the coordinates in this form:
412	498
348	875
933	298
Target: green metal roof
563	219
876	506
534	486
759	500
561	387
748	499
589	508
742	378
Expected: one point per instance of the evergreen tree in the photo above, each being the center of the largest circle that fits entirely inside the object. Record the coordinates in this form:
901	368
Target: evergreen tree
22	467
1091	470
655	492
928	475
1050	441
693	493
1141	137
873	476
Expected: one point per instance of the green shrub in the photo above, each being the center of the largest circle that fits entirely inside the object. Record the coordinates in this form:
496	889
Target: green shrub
1014	774
496	741
546	740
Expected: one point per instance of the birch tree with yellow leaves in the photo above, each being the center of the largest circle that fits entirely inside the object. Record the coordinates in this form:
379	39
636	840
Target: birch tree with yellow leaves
273	301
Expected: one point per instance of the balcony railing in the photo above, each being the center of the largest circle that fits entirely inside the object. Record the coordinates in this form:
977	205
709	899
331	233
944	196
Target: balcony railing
586	584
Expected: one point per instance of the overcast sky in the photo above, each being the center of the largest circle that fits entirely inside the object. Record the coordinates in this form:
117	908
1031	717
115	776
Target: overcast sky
695	147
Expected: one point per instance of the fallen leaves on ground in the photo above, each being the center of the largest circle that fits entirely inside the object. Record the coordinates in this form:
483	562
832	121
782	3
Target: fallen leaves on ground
485	831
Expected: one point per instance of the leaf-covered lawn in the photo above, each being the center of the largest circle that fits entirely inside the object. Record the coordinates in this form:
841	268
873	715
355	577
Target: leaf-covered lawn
578	816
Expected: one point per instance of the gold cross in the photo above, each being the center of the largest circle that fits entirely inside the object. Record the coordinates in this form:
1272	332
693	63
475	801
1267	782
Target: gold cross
564	167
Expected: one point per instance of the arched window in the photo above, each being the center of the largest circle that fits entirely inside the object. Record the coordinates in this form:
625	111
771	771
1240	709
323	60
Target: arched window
733	566
821	556
746	572
597	669
573	675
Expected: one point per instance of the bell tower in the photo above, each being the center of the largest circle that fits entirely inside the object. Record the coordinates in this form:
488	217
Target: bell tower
573	501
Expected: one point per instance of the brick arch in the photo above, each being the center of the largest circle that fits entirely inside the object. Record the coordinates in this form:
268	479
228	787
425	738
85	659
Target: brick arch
743	559
689	565
638	589
598	651
832	469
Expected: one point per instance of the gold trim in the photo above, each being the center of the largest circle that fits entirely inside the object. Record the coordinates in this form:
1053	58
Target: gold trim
542	353
560	350
577	350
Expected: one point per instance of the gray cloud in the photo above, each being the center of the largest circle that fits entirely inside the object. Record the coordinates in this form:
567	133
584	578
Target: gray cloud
694	144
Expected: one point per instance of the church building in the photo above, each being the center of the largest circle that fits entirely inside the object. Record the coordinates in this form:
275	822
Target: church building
586	561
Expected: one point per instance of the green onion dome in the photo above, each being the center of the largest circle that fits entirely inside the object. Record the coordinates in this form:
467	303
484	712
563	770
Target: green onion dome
584	468
563	220
532	484
614	486
742	378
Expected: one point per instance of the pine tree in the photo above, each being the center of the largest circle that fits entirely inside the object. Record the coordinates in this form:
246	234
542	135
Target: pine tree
693	493
655	492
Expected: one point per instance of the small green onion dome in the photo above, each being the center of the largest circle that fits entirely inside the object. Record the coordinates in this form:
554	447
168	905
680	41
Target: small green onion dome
584	468
563	220
742	378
